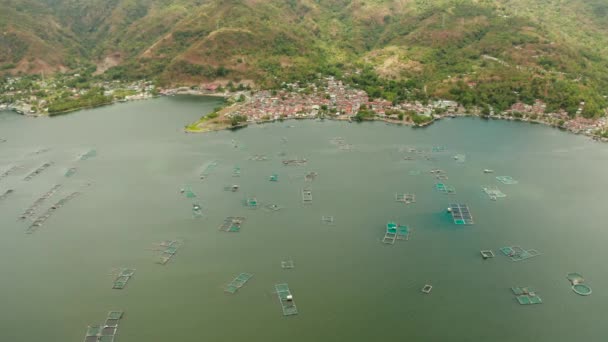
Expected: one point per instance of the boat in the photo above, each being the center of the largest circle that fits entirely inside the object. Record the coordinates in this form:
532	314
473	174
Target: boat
488	171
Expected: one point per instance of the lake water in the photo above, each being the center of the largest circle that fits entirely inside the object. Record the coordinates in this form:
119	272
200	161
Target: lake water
348	286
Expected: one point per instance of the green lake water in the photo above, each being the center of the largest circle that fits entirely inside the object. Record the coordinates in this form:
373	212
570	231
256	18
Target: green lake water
348	286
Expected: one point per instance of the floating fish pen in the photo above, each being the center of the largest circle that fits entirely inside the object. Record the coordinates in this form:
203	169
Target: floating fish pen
38	171
578	285
6	194
526	295
310	176
236	172
307	196
517	253
188	193
105	332
439	174
460	214
327	220
70	172
427	289
284	140
414	172
197	210
231	188
446	189
32	209
405	198
40	151
486	254
345	147
47	214
506	180
295	162
123	278
88	155
9	171
273	207
337	141
232	224
461	158
251	202
287	264
493	192
208	169
258	157
286	298
438	149
274	177
168	251
408	158
395	232
237	283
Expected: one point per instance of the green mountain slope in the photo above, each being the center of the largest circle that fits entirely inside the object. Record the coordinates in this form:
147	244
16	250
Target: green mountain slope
484	52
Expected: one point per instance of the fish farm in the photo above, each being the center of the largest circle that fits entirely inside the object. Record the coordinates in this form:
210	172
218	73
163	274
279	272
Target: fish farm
307	196
32	209
47	214
232	224
37	171
123	278
578	284
526	295
208	169
237	283
9	171
395	232
506	180
6	194
493	192
104	332
90	154
286	299
516	253
445	189
460	214
168	249
287	264
405	198
70	172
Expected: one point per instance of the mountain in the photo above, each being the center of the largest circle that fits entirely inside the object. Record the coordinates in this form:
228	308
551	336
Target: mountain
479	52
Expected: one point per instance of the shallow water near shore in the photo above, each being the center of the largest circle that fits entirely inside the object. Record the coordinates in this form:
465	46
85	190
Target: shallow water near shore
347	285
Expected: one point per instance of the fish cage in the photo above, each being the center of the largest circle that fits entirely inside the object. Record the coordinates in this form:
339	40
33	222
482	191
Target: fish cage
578	284
517	253
32	209
236	171
438	149
197	210
329	220
526	295
487	254
168	249
70	172
427	289
251	202
460	158
310	176
493	192
6	194
105	332
506	180
9	171
273	207
295	162
123	278
38	222
208	169
287	264
405	198
286	299
88	155
461	214
188	192
307	196
395	232
232	188
274	177
232	224
258	157
237	283
38	171
445	189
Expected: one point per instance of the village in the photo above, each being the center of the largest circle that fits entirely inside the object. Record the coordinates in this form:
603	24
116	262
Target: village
328	98
336	100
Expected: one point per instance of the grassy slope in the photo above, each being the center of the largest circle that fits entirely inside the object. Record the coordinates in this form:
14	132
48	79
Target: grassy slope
554	44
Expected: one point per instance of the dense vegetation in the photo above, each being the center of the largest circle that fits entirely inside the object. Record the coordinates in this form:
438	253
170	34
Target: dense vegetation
486	53
92	98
